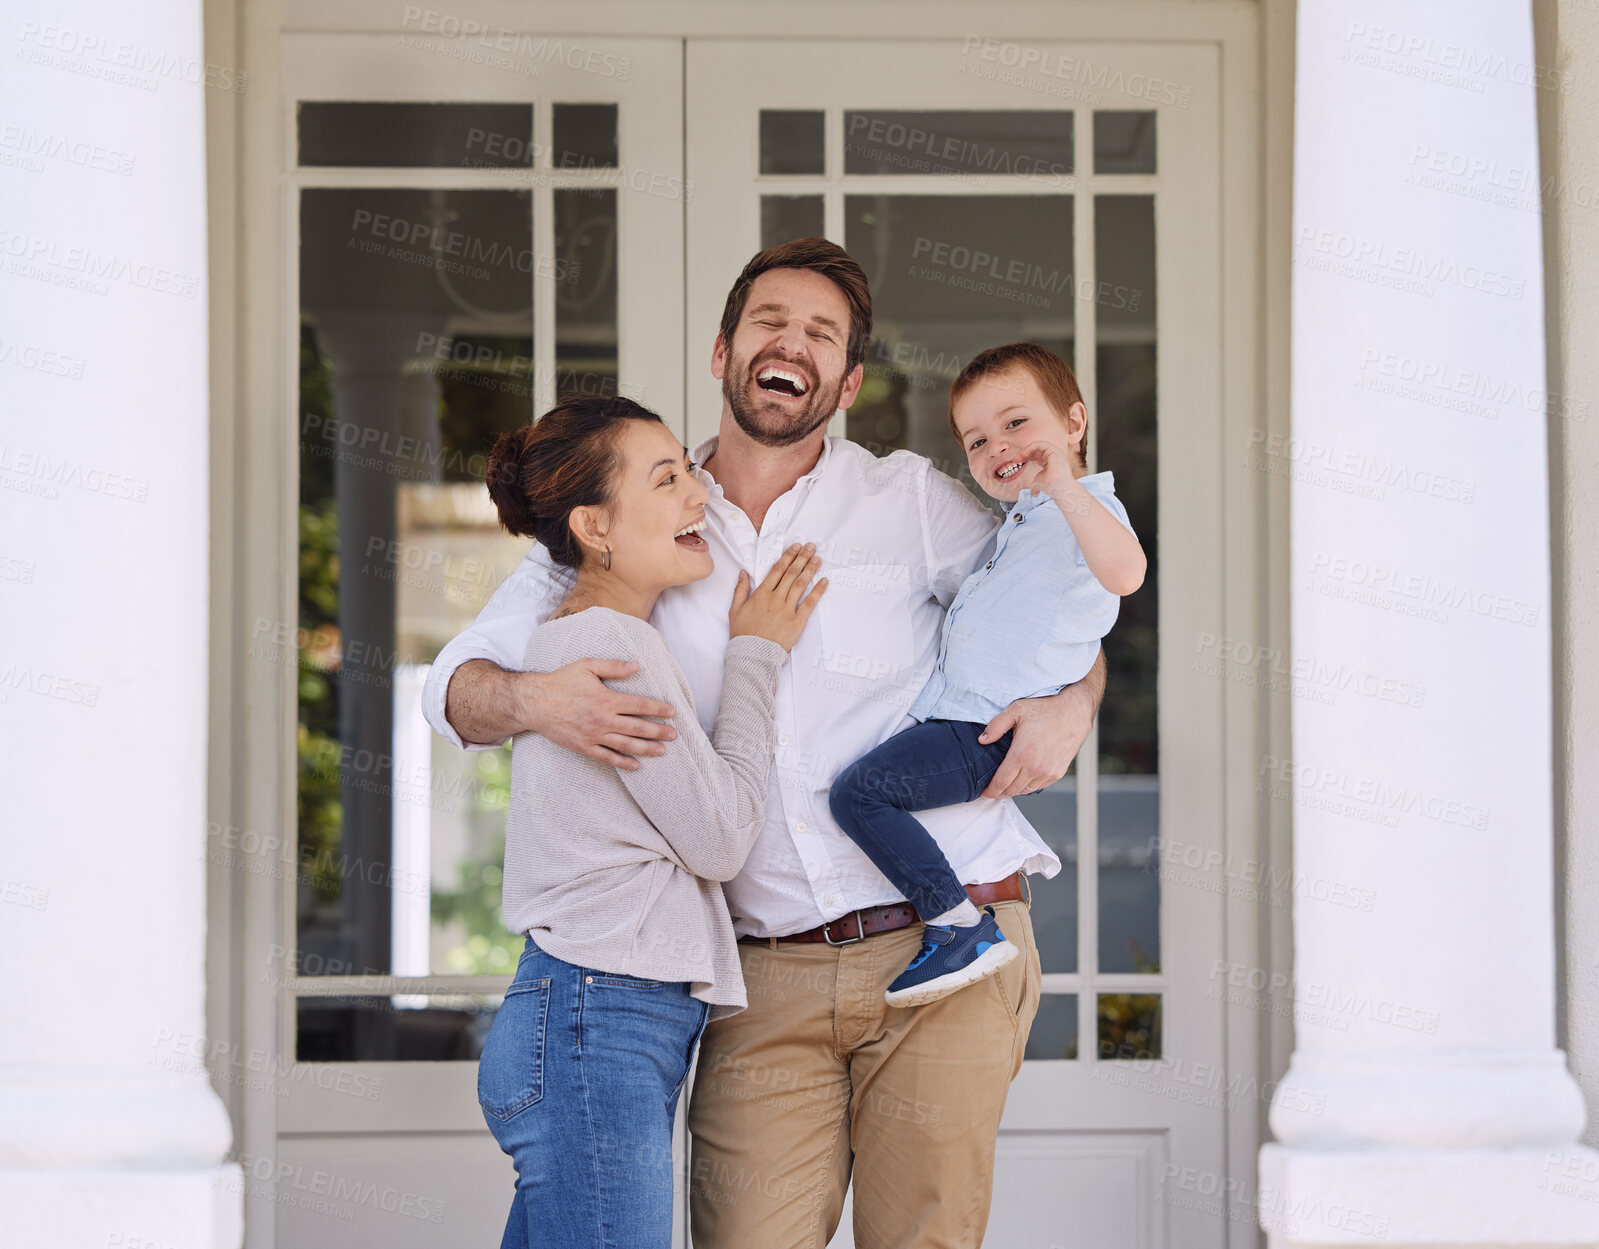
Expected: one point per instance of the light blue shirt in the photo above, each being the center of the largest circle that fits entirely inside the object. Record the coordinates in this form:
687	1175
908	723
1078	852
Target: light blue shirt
1026	623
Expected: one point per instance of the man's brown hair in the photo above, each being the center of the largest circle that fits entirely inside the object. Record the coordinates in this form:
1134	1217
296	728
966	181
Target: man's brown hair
1053	375
819	256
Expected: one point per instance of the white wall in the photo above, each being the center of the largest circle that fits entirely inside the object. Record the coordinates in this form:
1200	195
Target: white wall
109	1132
1568	43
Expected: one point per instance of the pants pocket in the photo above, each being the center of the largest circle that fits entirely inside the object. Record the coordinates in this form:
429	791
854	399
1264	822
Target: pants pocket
510	1075
616	980
1016	979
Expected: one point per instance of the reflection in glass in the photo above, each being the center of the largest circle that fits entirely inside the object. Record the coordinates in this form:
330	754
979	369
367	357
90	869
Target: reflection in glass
785	217
585	295
1129	874
416	136
1124	426
1124	142
1054	814
950	276
399	1028
793	141
416	353
1054	1032
585	136
1128	1025
1032	144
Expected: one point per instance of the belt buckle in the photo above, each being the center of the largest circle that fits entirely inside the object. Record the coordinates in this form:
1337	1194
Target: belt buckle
860	932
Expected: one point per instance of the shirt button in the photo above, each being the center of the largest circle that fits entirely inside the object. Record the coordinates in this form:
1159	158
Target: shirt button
801	826
990	564
831	900
782	741
1018	518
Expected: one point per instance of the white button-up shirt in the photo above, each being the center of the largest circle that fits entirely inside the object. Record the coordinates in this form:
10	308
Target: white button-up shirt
897	538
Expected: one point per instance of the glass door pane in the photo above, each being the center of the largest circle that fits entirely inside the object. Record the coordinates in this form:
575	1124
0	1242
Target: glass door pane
433	318
1125	437
951	275
416	354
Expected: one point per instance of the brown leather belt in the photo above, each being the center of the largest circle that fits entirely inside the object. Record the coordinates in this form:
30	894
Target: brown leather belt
858	925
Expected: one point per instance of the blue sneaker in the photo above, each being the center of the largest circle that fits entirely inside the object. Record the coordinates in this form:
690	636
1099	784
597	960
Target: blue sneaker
951	958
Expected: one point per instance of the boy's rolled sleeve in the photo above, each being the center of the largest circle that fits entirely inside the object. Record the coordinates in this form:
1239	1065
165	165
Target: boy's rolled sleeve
500	634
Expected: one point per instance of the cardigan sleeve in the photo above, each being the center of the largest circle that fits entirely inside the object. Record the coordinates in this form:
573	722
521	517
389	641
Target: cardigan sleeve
706	796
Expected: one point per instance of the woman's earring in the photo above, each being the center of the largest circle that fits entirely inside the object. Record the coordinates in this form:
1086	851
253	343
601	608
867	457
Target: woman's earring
605	560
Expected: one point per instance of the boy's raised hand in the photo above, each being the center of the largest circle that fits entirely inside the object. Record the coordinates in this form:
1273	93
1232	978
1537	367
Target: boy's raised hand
1054	465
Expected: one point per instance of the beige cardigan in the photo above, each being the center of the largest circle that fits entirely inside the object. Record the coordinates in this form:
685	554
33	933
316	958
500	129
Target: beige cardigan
618	870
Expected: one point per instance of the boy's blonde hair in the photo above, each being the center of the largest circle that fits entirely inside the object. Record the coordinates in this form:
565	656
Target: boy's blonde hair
1051	373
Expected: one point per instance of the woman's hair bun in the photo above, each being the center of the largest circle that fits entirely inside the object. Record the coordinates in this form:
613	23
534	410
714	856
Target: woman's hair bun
566	459
508	464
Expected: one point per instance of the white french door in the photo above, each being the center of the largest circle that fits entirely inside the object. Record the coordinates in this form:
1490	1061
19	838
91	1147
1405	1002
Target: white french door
1069	195
473	222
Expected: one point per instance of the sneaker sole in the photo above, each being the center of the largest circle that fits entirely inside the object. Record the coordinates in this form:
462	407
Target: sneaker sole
980	968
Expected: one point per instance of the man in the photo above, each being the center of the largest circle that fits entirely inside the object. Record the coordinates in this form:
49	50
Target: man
819	1078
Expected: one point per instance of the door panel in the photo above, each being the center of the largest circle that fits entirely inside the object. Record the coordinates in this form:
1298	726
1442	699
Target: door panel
469	231
1076	204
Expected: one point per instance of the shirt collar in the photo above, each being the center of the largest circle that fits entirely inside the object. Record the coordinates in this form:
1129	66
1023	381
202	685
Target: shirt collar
1026	500
705	450
699	455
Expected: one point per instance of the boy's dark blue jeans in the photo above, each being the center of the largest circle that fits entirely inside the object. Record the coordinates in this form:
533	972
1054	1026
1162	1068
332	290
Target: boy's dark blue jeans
933	764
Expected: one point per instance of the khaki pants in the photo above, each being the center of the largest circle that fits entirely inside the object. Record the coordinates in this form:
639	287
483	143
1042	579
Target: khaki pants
820	1073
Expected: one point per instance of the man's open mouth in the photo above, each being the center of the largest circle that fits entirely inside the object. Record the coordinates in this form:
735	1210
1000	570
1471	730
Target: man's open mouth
689	536
781	382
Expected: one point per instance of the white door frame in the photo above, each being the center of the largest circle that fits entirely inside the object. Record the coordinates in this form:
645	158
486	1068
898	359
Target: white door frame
252	509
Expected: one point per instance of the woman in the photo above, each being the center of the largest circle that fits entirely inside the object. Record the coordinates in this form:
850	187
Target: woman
612	874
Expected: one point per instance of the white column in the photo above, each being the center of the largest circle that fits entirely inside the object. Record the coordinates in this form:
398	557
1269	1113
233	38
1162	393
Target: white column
110	1134
1433	1108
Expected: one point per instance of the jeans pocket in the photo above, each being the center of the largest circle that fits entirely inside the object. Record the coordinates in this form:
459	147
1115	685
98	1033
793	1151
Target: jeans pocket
688	1058
615	980
510	1075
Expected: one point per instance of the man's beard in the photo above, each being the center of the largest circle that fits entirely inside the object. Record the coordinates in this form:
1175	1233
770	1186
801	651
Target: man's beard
776	430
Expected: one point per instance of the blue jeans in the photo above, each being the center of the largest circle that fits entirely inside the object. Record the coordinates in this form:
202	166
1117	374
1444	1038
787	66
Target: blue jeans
579	1083
932	764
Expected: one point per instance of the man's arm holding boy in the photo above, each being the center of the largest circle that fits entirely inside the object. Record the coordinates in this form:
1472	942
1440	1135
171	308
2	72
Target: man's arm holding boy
1048	734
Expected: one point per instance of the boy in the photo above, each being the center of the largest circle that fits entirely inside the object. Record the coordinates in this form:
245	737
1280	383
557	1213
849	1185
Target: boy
1026	624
